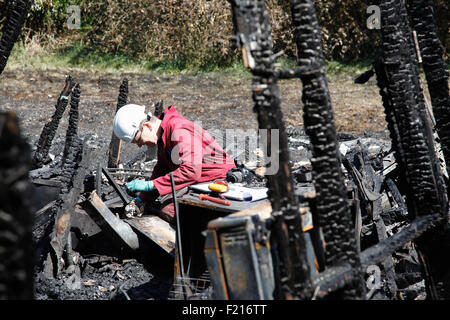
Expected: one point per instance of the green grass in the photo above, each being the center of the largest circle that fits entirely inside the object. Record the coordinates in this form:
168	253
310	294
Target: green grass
79	57
70	57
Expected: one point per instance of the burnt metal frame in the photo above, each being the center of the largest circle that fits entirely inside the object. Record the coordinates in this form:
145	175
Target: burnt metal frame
123	196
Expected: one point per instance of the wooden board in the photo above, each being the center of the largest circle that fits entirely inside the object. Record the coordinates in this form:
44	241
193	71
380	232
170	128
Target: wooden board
192	199
109	223
157	230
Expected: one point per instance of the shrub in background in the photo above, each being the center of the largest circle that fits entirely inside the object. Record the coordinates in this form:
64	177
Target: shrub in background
197	32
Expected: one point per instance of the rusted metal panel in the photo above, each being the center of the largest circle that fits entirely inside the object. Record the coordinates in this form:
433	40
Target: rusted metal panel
245	262
157	230
238	253
214	261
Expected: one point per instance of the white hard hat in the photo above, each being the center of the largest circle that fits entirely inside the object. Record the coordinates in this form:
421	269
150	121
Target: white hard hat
127	120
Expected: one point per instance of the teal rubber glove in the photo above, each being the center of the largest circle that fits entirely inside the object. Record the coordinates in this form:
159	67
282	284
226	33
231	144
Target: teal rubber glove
139	185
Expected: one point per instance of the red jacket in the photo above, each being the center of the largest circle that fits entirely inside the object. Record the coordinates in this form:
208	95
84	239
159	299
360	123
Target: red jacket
189	152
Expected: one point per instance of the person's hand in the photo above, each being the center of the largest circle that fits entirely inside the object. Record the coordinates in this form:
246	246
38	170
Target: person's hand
139	185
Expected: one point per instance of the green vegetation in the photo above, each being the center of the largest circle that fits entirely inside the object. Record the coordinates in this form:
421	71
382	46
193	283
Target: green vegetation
179	36
77	57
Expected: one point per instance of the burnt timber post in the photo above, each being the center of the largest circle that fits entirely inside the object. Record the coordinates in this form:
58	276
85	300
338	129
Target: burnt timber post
40	156
422	19
433	244
253	36
76	162
72	129
400	88
333	211
11	30
115	145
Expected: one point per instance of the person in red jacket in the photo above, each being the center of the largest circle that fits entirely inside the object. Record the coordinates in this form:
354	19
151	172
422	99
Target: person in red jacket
184	148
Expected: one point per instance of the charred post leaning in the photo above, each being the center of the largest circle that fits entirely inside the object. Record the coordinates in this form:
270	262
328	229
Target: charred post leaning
253	36
72	129
419	97
11	30
413	146
64	207
116	144
412	142
159	107
40	156
75	160
333	210
432	244
436	71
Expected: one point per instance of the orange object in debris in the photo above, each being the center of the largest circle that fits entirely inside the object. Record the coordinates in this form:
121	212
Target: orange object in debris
219	187
203	196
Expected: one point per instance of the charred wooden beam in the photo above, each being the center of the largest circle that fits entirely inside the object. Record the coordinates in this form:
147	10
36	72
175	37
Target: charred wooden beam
253	35
12	28
40	156
115	145
72	129
412	137
334	278
333	210
16	253
425	116
122	194
435	68
74	171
